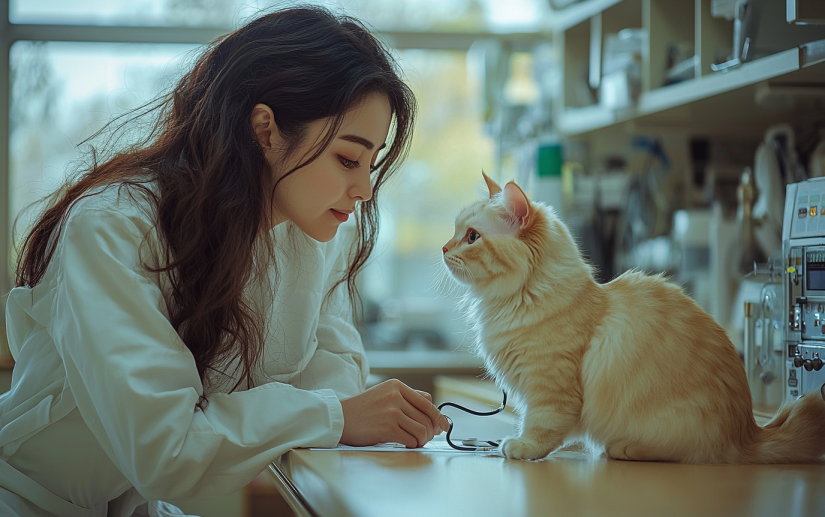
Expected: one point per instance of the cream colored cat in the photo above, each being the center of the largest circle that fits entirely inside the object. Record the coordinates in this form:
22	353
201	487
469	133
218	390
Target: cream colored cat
633	365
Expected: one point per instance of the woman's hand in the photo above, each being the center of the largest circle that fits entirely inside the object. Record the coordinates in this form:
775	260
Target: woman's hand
391	412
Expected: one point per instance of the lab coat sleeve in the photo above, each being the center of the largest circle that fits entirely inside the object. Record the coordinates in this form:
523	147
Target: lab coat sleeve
136	384
339	362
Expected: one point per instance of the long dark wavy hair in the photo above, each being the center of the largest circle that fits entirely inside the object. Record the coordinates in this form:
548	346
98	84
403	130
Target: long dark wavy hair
208	170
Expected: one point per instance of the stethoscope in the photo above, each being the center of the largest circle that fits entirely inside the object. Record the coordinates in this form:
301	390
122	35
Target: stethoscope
472	444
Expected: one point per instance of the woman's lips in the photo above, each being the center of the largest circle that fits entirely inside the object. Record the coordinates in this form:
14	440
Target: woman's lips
341	216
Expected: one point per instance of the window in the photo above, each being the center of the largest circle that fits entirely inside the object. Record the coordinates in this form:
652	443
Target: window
114	55
449	149
62	93
419	15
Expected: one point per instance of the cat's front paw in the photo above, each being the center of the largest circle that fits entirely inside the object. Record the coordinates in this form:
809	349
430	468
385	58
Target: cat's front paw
522	449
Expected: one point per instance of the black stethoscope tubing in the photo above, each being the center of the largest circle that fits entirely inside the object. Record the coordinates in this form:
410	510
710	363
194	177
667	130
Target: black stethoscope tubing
472	412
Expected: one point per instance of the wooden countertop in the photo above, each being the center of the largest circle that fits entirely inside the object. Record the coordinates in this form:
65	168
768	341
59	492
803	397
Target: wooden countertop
568	483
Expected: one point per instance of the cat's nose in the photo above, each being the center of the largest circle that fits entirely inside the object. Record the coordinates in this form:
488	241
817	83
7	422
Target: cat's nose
444	249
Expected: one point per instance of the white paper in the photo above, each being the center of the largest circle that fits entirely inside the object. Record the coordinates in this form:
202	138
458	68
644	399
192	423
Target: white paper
437	444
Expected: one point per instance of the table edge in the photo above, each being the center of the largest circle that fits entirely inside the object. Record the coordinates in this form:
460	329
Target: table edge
290	492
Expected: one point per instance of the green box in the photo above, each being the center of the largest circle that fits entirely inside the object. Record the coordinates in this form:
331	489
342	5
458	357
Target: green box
549	160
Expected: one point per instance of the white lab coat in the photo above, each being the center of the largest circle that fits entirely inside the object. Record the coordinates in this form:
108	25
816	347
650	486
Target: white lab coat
101	417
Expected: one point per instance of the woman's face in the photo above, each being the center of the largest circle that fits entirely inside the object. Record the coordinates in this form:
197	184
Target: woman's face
321	195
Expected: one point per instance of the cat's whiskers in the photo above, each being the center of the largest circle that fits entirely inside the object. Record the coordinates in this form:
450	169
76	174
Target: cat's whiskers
446	285
439	280
449	286
468	275
437	260
452	286
465	275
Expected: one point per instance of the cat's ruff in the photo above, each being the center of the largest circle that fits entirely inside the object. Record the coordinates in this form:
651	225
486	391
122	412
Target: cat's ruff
633	365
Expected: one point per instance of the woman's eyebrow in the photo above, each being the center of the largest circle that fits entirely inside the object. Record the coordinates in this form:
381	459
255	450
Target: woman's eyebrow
363	141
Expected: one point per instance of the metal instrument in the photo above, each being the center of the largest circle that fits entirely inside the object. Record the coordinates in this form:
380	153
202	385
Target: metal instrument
803	284
763	347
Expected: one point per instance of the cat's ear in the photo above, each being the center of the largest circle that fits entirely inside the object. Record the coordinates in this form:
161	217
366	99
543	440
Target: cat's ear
492	186
517	203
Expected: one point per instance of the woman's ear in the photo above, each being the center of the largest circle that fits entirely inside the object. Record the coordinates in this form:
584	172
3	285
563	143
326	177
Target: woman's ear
263	125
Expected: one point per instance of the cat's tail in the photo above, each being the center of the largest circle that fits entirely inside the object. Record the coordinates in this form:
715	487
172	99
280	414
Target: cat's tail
795	434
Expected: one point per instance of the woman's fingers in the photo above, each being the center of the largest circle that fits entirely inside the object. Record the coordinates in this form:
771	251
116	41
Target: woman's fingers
415	430
425	406
419	417
436	426
391	411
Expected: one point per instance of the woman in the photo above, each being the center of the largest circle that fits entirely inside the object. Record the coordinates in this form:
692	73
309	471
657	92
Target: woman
181	315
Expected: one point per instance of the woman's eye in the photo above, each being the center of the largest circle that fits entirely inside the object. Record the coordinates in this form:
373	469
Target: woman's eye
473	236
349	164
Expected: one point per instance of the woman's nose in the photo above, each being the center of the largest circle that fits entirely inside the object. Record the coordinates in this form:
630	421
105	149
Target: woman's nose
362	188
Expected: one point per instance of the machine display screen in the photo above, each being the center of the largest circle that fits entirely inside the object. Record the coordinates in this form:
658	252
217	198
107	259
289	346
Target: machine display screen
815	268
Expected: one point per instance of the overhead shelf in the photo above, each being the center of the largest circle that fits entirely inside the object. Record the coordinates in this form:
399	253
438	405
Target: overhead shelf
711	99
785	86
709	85
579	12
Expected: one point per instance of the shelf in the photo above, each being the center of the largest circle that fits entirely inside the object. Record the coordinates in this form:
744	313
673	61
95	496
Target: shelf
707	86
708	100
578	13
574	121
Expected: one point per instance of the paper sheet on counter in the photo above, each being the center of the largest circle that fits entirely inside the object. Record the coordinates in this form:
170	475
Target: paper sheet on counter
437	444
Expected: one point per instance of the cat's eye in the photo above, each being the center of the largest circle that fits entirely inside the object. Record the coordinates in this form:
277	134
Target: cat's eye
472	236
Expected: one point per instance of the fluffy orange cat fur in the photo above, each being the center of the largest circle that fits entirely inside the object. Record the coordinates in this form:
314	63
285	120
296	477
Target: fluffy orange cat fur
633	365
